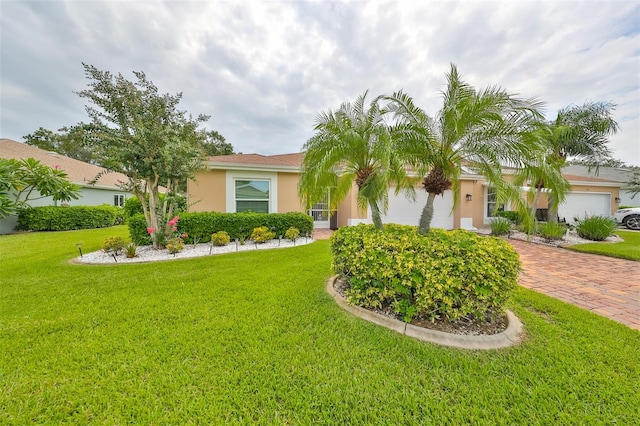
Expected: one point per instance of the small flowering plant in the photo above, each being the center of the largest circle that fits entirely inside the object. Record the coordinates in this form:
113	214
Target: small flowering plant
169	238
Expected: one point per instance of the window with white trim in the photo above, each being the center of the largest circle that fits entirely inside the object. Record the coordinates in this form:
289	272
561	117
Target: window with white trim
252	195
118	200
492	200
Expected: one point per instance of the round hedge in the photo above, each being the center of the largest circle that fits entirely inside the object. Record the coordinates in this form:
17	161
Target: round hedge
445	274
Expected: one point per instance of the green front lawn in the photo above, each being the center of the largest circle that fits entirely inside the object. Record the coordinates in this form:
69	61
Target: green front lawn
252	338
628	249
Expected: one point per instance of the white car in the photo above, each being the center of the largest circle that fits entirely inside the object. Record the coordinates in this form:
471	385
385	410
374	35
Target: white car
628	217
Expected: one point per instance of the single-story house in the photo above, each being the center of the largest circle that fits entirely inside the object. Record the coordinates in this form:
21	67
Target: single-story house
260	183
105	190
622	175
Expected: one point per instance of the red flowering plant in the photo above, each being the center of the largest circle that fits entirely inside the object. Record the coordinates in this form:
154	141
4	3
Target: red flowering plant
169	237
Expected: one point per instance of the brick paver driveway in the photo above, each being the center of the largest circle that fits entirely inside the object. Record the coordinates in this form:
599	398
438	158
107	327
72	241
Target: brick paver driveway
604	285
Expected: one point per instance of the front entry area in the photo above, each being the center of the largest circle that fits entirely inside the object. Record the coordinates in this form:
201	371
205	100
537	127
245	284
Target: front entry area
323	216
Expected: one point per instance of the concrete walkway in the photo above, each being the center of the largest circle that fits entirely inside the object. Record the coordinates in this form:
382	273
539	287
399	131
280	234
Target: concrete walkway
607	286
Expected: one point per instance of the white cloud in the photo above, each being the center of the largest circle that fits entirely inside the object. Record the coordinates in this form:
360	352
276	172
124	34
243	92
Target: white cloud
263	70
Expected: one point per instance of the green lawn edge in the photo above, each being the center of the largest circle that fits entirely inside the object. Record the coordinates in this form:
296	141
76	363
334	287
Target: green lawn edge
215	341
628	249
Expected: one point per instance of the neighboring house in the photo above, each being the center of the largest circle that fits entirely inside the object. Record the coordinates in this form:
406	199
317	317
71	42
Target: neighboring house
104	191
616	174
259	183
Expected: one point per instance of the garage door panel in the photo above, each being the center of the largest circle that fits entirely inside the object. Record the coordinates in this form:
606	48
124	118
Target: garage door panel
585	204
404	211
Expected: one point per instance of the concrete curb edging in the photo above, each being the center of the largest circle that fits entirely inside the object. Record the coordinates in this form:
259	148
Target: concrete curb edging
510	337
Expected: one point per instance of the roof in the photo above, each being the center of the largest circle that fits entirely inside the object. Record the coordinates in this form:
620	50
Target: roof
78	172
286	161
578	178
294	161
616	174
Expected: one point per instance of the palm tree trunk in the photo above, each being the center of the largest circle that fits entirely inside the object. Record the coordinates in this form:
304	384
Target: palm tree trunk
375	215
427	215
552	214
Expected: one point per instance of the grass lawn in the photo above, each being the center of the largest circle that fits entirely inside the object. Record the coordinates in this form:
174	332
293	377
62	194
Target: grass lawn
628	249
252	338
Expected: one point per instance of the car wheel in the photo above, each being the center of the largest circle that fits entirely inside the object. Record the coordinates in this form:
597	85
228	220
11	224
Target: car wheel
633	222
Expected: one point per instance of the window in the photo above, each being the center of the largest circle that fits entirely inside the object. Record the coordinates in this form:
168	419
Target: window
118	200
252	195
492	199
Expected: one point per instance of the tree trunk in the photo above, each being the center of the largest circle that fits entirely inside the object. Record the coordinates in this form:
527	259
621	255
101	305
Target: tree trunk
552	214
534	205
427	215
375	215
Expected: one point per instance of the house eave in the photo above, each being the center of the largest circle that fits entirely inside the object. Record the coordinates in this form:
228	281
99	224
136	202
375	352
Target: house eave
253	167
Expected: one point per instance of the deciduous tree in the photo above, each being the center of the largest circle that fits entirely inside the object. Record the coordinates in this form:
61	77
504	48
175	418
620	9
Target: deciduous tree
142	134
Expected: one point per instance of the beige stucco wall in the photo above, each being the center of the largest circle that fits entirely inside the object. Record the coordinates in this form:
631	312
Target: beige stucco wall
474	208
348	209
209	190
288	200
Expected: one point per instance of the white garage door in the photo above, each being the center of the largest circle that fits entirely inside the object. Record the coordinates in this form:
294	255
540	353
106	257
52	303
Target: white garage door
583	204
404	211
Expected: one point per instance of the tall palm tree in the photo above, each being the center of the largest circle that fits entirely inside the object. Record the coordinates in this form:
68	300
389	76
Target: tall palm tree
352	145
633	186
480	129
581	132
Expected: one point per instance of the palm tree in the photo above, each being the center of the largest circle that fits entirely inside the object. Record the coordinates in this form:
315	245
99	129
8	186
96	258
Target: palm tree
540	174
581	132
633	186
480	129
352	145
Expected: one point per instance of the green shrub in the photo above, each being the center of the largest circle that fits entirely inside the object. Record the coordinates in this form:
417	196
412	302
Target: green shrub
445	274
220	238
200	226
138	230
292	234
174	245
131	250
113	245
52	218
262	235
500	226
514	217
596	228
132	207
552	231
530	229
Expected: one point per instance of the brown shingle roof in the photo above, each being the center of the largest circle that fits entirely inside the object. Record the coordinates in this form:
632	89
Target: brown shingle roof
286	160
78	172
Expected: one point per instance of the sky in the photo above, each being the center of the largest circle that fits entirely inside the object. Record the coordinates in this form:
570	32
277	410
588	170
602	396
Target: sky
264	70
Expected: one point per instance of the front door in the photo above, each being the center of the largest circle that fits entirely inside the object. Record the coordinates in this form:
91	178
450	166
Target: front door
322	213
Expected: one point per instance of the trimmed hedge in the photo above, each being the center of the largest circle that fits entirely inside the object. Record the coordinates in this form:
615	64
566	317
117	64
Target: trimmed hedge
201	225
52	218
444	274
